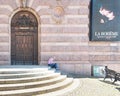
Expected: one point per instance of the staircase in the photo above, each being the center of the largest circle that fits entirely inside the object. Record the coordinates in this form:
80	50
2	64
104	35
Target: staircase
34	81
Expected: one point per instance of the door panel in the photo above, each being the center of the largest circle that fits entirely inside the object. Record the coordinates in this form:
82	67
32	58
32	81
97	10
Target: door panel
24	39
24	49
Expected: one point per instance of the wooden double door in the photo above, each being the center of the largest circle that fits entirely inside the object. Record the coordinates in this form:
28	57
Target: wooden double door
24	39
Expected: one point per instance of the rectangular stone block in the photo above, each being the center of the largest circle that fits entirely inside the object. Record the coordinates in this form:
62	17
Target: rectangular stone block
99	48
83	69
64	30
37	3
4	48
105	63
4	38
80	2
76	30
44	12
64	48
4	20
9	2
4	11
72	11
102	43
70	68
4	30
4	63
115	48
78	21
84	11
114	67
115	57
99	57
65	56
64	38
4	57
45	21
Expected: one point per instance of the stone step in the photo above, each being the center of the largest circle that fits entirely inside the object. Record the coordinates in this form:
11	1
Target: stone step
38	90
63	91
22	66
26	74
29	79
5	87
20	70
34	80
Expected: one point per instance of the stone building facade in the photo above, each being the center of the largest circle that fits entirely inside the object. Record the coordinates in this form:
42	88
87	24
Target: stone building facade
63	31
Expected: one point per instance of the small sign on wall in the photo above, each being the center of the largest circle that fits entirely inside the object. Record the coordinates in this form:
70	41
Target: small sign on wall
105	20
98	71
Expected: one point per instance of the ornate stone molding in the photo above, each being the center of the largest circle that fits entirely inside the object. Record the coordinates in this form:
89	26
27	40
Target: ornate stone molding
23	3
58	11
58	14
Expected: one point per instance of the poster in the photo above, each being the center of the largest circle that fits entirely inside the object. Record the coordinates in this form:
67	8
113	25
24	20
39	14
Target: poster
98	71
105	20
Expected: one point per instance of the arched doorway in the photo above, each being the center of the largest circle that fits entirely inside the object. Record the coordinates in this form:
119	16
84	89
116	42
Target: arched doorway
24	39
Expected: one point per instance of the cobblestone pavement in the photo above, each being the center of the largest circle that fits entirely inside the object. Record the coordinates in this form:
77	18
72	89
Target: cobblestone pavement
96	87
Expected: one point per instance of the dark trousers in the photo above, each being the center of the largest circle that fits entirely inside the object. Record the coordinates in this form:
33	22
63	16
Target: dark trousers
53	65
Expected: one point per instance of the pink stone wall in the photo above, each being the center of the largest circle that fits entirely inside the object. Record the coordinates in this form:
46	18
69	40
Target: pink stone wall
68	41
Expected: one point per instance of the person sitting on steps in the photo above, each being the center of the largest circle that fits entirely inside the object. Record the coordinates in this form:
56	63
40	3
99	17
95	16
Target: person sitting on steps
51	63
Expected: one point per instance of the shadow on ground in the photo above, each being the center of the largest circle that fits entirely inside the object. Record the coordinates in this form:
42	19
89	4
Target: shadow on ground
109	82
118	88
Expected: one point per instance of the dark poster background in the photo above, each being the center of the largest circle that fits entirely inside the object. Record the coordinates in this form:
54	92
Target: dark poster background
105	20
